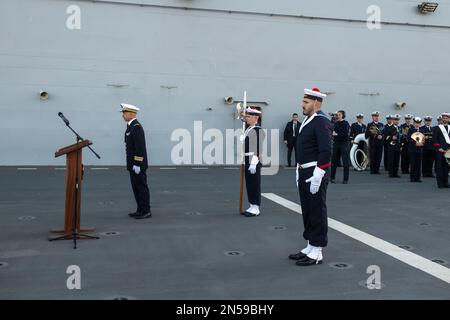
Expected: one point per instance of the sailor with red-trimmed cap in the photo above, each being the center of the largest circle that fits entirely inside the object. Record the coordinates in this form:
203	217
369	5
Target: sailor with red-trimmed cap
313	150
441	142
253	141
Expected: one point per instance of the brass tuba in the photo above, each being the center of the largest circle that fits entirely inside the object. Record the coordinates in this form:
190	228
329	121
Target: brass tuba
374	131
359	153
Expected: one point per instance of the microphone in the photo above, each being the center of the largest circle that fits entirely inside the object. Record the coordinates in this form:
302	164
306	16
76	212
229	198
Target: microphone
60	114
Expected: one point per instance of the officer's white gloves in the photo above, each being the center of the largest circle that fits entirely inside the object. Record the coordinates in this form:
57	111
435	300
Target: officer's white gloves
137	169
296	174
253	164
315	180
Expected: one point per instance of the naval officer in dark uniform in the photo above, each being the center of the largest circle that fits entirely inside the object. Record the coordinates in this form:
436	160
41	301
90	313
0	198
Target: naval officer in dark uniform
428	149
357	127
290	135
404	143
391	137
253	142
415	149
136	161
314	160
441	141
341	137
375	136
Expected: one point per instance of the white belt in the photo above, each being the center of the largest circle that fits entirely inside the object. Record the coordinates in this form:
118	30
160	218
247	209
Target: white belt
306	165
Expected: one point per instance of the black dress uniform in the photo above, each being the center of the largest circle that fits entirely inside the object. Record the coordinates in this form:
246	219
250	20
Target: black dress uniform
356	129
415	157
341	149
404	143
428	151
137	156
290	135
254	138
375	147
314	145
442	167
392	140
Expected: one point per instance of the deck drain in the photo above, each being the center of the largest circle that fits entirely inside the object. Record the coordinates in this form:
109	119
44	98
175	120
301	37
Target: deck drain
340	265
106	203
234	253
278	228
121	298
424	224
193	213
371	286
110	233
27	218
406	247
3	265
439	261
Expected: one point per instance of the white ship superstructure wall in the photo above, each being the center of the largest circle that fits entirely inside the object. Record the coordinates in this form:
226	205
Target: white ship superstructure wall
177	60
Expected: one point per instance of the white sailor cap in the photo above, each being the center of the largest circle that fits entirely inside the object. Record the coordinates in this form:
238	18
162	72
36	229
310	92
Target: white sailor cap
375	113
418	119
445	114
439	118
129	108
428	118
253	111
389	117
359	116
314	94
408	116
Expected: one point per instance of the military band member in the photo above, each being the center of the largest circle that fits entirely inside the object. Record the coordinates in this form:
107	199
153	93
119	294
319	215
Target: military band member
415	152
404	153
428	149
392	137
441	141
313	156
290	135
254	138
137	163
389	122
439	120
357	127
375	136
341	137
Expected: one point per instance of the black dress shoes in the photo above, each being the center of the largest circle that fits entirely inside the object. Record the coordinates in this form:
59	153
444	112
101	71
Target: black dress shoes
134	214
297	256
307	262
143	215
332	181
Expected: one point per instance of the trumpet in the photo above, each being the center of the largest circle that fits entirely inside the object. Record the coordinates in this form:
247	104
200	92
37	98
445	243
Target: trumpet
393	141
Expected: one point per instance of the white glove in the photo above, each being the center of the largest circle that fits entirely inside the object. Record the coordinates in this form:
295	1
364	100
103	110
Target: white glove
315	180
137	169
296	175
253	164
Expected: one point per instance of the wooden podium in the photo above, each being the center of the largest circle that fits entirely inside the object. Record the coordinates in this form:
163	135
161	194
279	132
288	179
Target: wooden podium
74	177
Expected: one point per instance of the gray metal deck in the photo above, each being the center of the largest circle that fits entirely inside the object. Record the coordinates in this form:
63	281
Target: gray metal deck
179	252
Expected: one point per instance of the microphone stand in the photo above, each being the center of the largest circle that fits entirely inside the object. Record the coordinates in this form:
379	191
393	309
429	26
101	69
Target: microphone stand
75	232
